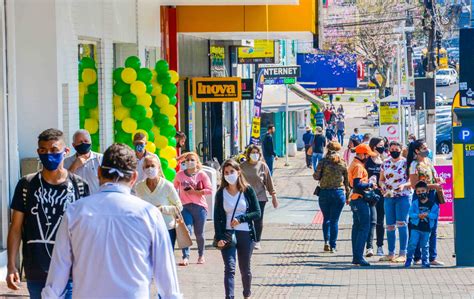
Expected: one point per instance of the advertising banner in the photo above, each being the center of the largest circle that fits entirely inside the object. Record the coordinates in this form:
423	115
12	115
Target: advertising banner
388	113
217	89
257	109
446	212
263	51
247	89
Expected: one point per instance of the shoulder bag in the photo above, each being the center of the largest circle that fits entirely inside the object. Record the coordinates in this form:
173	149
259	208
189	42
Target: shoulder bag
229	235
183	237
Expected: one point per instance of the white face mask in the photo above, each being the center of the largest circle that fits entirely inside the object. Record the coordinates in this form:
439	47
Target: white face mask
190	164
151	172
254	157
232	178
183	166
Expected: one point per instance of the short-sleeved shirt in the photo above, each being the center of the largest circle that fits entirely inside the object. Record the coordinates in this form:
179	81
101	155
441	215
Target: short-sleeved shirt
395	175
43	206
424	170
357	171
319	143
373	168
88	171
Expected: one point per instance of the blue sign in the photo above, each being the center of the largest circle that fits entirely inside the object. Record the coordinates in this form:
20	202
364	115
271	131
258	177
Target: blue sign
408	101
465	134
327	70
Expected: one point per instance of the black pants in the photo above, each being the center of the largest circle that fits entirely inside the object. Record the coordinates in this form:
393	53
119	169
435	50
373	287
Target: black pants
377	216
259	223
172	233
308	157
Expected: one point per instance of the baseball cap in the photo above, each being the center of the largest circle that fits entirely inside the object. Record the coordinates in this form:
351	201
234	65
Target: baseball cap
364	149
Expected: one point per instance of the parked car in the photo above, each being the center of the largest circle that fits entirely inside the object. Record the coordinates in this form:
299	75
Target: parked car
444	140
446	77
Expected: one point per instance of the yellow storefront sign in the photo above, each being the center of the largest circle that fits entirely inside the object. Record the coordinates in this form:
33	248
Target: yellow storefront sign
388	113
256	127
263	51
227	89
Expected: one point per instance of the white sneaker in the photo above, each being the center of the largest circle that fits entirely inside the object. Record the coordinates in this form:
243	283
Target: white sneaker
257	246
380	251
369	252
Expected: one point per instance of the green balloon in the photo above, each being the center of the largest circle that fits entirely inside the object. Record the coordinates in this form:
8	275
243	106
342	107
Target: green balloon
87	63
123	137
151	136
133	62
129	100
121	88
118	127
172	141
149	88
155	109
162	66
168	131
91	100
144	75
84	113
138	112
94	88
82	123
169	90
162	120
145	124
163	78
95	139
118	74
80	74
173	100
164	163
170	174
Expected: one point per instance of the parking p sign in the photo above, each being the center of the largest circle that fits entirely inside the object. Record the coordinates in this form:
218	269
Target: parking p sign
465	135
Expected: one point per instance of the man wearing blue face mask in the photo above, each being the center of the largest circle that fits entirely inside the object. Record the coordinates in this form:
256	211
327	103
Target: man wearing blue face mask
139	142
38	205
85	163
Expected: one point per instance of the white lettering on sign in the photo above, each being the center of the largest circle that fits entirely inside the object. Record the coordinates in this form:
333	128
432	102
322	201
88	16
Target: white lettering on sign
283	71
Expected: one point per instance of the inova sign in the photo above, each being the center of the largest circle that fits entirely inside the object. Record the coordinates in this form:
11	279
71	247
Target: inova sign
226	89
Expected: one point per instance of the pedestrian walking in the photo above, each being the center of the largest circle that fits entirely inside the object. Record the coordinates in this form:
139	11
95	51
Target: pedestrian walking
424	212
236	209
161	193
181	141
319	118
349	153
366	138
340	110
377	211
333	192
319	142
258	176
357	135
113	243
85	163
193	185
331	131
359	181
139	142
341	128
308	139
396	190
421	169
327	115
268	150
38	206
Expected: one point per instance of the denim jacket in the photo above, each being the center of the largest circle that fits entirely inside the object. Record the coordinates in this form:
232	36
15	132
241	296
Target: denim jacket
415	210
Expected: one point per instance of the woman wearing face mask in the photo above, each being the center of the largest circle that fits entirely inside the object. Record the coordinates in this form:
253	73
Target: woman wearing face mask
377	214
421	169
258	175
397	193
236	209
193	185
158	191
349	153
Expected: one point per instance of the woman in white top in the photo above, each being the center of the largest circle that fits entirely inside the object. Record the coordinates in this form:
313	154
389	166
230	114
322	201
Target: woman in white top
161	193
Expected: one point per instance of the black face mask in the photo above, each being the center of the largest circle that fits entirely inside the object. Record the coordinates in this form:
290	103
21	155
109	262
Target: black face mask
83	148
423	195
380	149
395	154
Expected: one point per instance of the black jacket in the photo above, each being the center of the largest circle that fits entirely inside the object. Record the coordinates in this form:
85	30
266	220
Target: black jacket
220	217
267	146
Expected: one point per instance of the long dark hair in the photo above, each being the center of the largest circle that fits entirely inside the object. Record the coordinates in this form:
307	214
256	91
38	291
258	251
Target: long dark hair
242	183
374	141
415	145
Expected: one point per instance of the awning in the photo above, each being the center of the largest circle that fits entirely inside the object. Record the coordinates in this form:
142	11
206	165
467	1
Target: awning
274	100
302	92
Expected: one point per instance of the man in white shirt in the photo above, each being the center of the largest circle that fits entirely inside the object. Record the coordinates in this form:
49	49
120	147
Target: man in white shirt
139	142
112	242
85	162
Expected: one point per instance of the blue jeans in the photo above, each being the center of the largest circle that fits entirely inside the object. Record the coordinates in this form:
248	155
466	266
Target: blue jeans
195	217
172	233
35	287
396	215
340	137
433	252
244	249
419	239
316	158
360	227
269	161
331	203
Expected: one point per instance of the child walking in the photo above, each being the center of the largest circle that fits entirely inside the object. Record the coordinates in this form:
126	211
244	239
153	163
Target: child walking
424	211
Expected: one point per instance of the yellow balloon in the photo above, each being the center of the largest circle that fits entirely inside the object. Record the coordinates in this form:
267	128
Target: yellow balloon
173	121
82	89
117	101
162	100
140	131
91	125
81	101
172	163
150	147
89	76
168	152
129	125
95	113
169	110
156	131
174	77
156	89
149	112
144	100
121	113
153	72
138	88
129	75
161	141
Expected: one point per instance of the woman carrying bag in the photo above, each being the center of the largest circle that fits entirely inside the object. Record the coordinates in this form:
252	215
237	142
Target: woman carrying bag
236	208
158	191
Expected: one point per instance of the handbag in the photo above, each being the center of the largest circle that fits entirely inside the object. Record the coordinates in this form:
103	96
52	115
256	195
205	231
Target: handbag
183	237
371	197
229	235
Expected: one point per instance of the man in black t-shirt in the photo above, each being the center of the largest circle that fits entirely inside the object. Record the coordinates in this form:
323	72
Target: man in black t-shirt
38	206
318	144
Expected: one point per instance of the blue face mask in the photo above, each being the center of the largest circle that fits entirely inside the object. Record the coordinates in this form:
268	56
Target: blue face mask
51	161
140	147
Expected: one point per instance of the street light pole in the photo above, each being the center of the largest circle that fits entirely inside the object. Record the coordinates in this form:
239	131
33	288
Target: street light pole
399	99
287	127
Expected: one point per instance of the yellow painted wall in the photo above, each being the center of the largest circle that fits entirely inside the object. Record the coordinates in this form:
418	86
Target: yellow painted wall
281	18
